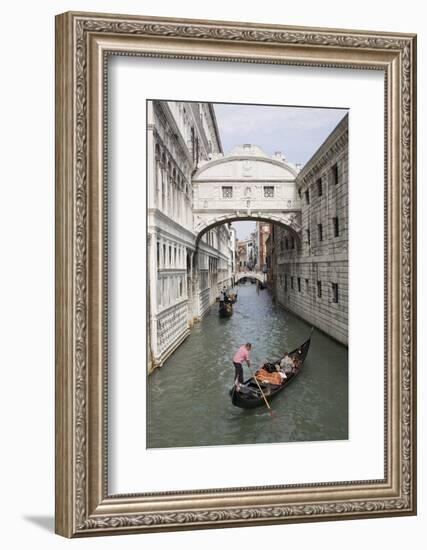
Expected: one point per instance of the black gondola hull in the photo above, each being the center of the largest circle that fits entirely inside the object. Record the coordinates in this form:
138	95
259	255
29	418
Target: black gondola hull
249	396
226	310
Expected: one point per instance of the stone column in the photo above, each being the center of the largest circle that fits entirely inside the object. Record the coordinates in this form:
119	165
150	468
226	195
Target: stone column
151	156
152	292
159	184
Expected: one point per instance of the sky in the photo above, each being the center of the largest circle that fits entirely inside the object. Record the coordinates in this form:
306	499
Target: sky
295	131
244	229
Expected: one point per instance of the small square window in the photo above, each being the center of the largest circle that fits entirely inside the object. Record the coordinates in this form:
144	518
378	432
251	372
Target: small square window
269	192
227	192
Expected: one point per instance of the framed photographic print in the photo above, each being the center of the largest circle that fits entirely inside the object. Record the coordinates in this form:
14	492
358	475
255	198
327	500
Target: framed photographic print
235	274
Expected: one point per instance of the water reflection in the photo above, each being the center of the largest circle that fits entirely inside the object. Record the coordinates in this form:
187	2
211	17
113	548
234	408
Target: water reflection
188	398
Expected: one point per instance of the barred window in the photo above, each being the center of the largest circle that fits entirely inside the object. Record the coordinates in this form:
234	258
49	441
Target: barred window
335	174
269	192
320	231
227	192
336	227
335	293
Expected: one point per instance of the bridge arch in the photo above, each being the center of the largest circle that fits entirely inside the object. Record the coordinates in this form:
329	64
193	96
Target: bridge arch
289	222
257	275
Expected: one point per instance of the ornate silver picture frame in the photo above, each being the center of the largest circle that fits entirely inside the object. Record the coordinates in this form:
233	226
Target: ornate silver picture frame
84	42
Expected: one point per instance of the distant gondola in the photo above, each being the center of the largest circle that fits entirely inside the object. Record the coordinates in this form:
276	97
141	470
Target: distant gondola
225	309
249	395
232	297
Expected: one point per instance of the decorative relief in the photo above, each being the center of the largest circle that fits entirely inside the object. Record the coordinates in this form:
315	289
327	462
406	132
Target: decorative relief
204	296
170	326
82	28
189	30
241	514
247	169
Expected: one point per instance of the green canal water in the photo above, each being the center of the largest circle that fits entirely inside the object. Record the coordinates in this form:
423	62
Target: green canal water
188	398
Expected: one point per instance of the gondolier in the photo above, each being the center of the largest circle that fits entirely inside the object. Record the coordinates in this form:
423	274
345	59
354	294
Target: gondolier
241	355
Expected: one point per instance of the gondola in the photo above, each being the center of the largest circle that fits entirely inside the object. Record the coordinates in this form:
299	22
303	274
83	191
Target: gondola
249	395
225	309
232	297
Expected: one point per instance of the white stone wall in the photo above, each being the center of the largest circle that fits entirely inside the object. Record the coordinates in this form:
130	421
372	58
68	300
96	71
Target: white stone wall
322	258
182	283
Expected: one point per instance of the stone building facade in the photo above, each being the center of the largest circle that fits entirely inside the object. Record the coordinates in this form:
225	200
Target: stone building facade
309	275
184	276
245	251
263	232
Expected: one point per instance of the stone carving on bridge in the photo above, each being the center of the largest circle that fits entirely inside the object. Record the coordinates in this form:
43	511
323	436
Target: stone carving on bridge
247	169
220	198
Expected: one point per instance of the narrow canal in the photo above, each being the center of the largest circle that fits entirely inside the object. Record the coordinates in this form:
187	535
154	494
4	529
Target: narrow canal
188	399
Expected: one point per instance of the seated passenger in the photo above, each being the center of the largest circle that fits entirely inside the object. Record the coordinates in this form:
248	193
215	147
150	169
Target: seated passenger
263	376
297	365
287	364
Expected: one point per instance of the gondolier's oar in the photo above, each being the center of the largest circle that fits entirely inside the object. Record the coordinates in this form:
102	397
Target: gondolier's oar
270	411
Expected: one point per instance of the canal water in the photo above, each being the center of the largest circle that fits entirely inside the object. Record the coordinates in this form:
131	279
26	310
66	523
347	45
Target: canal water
188	401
